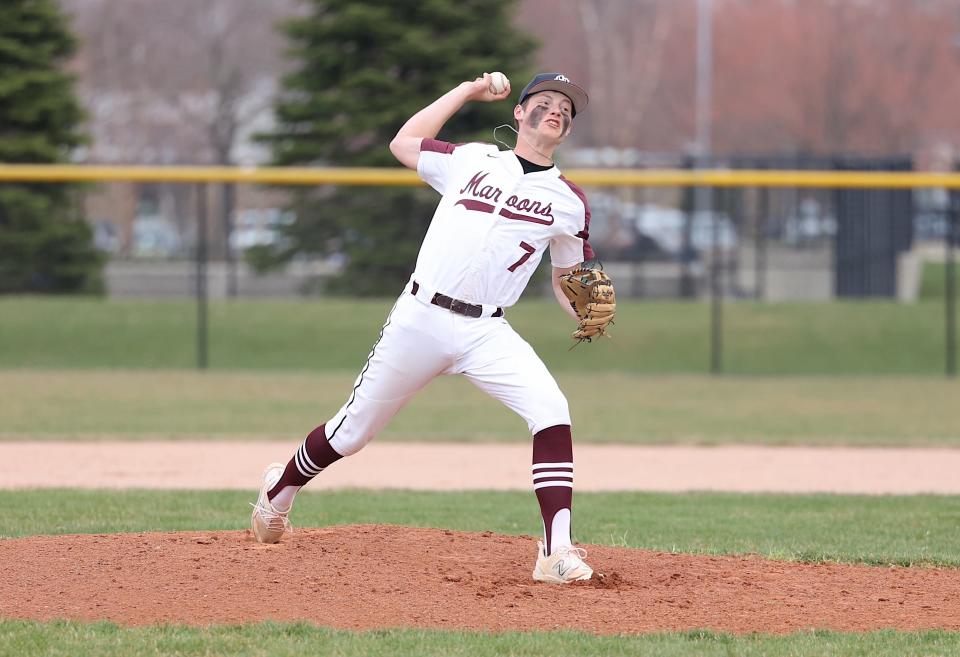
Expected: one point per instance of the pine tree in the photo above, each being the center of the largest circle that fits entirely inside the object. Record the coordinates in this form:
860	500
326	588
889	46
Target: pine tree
365	67
44	246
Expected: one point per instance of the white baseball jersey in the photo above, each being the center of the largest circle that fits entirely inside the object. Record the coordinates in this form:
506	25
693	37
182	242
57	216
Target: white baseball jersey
494	222
487	236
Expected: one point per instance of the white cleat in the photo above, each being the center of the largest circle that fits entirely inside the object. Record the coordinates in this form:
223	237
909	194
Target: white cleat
565	565
269	524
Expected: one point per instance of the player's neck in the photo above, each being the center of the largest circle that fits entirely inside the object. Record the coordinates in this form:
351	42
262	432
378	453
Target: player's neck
534	152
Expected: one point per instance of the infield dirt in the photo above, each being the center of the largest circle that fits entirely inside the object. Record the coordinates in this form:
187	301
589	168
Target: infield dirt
197	464
363	577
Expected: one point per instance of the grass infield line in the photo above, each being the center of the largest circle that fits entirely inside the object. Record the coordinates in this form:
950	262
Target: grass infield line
874	530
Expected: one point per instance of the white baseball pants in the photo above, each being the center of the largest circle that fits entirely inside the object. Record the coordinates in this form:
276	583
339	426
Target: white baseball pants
421	341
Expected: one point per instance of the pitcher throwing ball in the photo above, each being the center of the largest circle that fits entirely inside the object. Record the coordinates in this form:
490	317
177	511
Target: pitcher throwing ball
499	212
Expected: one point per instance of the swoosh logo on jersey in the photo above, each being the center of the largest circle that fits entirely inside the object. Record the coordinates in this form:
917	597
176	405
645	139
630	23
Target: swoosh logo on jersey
471	204
523	217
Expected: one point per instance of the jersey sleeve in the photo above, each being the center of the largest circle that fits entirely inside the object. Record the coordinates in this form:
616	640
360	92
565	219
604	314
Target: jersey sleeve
572	248
435	163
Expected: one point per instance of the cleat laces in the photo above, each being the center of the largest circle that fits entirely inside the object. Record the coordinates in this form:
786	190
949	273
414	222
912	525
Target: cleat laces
273	519
570	551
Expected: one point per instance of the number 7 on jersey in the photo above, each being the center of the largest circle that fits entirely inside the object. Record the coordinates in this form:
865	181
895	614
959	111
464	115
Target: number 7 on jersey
526	256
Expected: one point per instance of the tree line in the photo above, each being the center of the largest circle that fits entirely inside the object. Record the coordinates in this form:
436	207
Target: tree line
194	82
356	71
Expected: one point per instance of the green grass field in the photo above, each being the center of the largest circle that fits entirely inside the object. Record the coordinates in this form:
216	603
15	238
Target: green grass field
87	369
650	337
933	281
63	639
607	407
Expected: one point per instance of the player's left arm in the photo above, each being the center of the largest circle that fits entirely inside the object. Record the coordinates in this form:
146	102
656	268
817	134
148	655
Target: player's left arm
558	293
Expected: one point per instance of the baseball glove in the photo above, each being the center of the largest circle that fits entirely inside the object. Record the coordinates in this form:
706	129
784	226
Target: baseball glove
590	293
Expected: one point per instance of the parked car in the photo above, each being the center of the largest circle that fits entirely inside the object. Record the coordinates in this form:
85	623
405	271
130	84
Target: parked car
658	229
156	237
665	226
106	237
259	227
808	224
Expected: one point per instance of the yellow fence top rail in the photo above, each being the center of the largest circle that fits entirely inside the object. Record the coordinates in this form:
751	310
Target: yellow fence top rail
399	176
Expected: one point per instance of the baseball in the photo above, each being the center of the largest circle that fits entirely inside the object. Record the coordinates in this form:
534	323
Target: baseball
498	82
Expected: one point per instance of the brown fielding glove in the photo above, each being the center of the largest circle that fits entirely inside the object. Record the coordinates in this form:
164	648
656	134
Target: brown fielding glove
590	293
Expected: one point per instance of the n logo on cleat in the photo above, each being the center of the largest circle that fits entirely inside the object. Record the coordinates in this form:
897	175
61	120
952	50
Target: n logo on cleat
560	568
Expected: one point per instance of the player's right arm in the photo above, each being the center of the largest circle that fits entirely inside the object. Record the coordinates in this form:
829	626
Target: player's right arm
426	123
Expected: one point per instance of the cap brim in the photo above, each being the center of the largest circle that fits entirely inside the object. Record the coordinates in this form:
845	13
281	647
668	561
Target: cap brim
576	95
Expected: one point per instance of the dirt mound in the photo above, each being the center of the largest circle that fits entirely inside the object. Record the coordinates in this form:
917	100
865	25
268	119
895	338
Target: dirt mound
364	577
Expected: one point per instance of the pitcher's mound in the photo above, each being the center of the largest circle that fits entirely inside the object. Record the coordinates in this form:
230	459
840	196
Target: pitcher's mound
364	577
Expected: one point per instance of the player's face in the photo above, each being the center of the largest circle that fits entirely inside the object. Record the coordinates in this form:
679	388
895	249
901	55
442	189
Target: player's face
548	114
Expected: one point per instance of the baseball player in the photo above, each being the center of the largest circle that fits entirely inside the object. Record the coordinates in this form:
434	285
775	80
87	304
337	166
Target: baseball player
499	212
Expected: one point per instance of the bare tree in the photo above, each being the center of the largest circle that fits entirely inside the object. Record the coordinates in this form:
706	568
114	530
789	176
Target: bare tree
832	76
223	77
620	50
625	47
180	82
624	42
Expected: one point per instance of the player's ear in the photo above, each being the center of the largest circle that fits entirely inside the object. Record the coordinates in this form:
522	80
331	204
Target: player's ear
518	113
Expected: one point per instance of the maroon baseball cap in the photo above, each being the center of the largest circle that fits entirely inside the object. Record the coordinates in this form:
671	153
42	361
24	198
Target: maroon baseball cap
556	82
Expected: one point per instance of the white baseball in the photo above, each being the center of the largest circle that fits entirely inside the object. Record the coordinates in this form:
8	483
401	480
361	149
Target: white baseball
498	82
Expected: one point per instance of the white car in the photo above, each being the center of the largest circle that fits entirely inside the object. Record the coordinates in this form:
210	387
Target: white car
665	225
156	237
258	228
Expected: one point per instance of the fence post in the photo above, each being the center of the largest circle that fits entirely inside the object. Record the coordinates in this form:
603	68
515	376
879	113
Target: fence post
716	280
760	247
201	255
228	195
950	289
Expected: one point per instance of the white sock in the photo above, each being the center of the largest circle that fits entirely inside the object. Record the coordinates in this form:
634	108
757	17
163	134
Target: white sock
560	530
283	500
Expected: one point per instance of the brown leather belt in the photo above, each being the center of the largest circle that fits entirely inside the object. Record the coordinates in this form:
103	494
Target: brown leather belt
455	305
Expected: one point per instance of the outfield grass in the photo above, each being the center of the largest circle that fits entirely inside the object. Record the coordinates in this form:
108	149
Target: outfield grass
80	369
606	406
327	334
68	639
933	281
903	530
